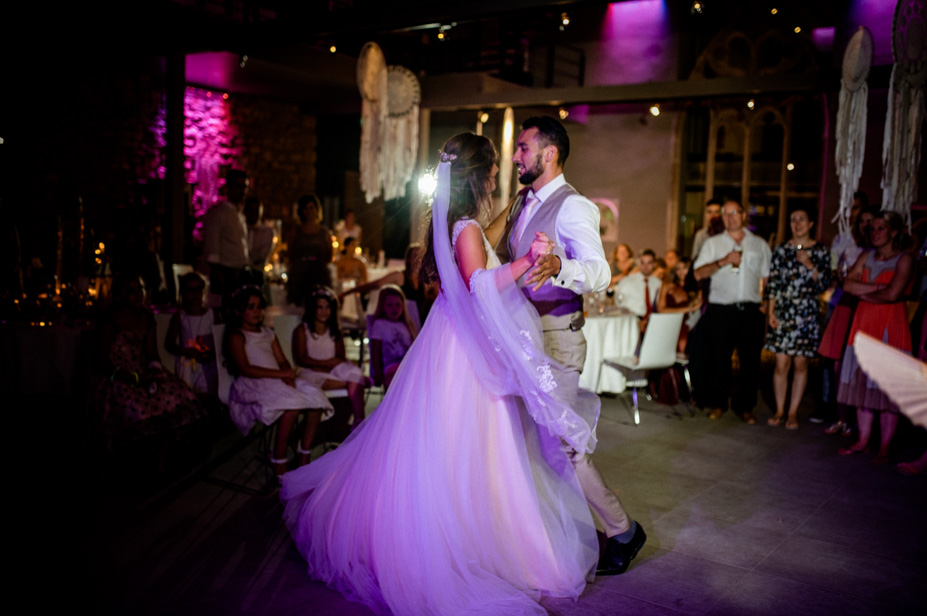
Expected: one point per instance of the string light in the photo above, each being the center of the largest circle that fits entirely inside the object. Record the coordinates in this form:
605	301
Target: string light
696	7
790	166
564	21
655	110
333	49
751	104
484	117
563	113
797	29
774	11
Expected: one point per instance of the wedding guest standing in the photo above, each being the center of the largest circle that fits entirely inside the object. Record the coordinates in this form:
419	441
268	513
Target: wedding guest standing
799	273
310	252
880	279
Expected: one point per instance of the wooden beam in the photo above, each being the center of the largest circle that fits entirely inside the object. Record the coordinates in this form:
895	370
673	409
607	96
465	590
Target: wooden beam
457	92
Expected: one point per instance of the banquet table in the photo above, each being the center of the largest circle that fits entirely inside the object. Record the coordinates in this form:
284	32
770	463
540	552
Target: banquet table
607	335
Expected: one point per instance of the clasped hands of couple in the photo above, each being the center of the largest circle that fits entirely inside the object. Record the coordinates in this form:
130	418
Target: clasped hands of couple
545	264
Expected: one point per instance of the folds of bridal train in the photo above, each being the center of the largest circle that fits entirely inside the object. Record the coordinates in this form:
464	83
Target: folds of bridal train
446	500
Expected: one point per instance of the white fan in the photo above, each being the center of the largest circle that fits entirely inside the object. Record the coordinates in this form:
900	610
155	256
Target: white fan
902	377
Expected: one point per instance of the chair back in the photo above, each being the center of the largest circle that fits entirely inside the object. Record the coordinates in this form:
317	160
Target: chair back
225	379
658	350
284	325
162	323
181	269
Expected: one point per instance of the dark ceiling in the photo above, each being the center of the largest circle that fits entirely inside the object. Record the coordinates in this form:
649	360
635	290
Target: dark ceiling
288	41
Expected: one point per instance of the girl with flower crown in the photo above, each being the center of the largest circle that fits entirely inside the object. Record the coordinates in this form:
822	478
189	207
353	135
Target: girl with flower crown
456	496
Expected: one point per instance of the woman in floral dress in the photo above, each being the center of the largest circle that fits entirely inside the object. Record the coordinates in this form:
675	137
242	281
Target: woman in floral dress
799	273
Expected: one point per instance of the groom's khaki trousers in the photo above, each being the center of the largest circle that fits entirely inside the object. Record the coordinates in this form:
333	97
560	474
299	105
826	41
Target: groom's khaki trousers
568	348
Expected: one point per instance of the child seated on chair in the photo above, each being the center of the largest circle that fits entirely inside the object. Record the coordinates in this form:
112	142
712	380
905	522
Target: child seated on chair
318	346
190	339
266	388
391	334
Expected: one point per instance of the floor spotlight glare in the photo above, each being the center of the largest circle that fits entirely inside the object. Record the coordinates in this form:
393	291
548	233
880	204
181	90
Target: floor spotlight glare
655	110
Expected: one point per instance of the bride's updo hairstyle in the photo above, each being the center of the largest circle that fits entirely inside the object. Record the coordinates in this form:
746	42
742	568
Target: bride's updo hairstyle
471	178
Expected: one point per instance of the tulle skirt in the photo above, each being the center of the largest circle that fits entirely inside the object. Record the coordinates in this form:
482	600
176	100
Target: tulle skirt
446	500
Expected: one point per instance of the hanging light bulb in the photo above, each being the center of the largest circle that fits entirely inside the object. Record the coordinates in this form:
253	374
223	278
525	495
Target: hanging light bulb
655	110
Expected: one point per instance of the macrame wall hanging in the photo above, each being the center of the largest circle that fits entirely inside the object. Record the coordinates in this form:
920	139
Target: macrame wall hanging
389	131
372	83
901	147
851	121
400	147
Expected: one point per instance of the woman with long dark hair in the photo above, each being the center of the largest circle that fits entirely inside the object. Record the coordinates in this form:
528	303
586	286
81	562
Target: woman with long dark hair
457	496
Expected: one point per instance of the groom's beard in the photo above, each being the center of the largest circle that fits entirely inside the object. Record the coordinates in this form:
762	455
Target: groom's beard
528	176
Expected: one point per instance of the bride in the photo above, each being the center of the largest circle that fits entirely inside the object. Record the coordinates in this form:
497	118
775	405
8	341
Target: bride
456	495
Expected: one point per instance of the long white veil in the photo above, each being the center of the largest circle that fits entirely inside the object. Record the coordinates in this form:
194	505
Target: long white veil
503	338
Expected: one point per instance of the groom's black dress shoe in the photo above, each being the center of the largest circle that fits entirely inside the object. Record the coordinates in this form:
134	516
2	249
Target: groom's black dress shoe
618	556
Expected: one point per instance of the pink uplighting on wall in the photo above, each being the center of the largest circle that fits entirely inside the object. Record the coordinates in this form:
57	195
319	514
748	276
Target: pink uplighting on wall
210	141
637	45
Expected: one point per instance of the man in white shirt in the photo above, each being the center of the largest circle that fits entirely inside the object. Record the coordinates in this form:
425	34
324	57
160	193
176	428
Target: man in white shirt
638	292
576	265
737	262
225	238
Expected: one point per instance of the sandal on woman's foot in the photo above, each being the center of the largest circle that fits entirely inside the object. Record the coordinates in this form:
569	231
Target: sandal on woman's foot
775	420
849	451
791	424
836	428
909	468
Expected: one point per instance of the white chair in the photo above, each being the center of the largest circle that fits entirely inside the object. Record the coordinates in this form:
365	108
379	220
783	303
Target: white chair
658	351
284	326
180	269
225	379
162	323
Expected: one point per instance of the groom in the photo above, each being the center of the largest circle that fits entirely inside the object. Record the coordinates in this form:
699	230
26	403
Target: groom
577	265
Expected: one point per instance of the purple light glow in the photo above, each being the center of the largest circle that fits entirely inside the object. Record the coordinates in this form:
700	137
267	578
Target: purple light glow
823	38
636	44
209	142
877	15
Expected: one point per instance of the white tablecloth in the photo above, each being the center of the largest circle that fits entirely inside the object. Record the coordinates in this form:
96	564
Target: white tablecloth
607	336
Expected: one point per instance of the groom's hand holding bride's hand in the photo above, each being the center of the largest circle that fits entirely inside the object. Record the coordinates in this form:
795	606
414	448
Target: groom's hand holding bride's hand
546	264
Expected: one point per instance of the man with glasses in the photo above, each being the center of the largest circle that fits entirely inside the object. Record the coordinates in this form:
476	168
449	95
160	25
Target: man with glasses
737	262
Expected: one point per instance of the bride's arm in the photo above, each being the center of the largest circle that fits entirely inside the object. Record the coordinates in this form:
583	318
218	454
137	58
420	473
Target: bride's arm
471	254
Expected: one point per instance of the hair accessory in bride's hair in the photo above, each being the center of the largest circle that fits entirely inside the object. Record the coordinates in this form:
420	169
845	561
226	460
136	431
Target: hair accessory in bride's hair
445	157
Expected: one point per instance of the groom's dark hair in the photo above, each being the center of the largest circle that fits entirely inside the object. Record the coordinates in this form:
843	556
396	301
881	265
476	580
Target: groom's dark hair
550	132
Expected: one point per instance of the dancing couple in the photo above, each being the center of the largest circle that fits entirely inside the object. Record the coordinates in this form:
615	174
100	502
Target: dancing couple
470	489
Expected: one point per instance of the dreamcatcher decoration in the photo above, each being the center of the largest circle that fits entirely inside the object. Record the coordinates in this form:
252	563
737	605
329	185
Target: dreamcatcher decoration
851	121
400	147
901	146
372	83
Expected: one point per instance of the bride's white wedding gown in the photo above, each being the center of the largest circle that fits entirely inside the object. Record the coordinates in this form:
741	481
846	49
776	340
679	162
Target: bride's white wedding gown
447	499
